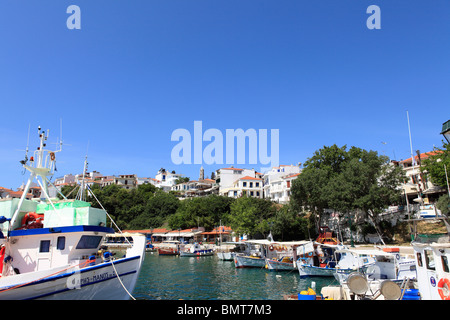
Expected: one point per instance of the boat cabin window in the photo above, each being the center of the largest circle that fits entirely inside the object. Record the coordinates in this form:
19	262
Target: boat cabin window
444	263
44	246
429	259
61	243
89	242
419	259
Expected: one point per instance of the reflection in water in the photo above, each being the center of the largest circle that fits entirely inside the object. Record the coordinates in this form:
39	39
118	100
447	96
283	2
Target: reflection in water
208	278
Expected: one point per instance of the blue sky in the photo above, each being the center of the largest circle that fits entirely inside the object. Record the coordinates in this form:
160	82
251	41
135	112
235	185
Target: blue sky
138	70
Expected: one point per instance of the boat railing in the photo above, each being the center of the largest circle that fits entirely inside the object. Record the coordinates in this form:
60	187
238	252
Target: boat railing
430	238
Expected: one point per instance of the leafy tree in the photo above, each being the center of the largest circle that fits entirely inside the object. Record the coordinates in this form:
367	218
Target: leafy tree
288	225
181	180
347	181
157	208
203	211
434	165
251	216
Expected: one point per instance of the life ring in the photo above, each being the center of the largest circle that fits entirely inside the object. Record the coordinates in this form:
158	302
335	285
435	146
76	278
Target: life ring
52	156
444	288
271	248
32	220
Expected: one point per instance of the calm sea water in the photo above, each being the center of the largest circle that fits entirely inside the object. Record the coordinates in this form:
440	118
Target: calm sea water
208	278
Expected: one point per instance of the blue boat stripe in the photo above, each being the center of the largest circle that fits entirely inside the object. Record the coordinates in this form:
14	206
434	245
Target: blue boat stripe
68	274
83	285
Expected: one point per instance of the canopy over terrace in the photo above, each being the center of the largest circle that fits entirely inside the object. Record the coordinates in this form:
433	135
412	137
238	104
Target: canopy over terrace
222	233
181	235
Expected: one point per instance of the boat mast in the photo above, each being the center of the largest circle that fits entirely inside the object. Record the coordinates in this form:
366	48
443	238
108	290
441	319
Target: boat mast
413	163
42	165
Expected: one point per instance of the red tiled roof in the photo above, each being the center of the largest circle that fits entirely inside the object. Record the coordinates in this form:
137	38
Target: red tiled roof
249	178
424	155
291	176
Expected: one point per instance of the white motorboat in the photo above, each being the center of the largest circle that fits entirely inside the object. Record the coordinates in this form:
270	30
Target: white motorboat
196	250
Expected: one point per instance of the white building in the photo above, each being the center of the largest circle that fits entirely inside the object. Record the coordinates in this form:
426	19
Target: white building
126	181
226	177
195	188
417	181
166	179
277	182
152	181
245	186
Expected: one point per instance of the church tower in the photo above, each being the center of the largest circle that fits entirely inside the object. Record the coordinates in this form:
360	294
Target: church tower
202	174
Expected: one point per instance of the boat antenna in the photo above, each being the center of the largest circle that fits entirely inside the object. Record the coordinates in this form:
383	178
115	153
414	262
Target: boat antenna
81	192
24	161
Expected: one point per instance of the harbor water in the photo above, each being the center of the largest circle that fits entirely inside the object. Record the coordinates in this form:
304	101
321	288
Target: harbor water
208	278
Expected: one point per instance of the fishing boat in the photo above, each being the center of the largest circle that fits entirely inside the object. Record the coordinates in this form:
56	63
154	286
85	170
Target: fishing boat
196	250
254	255
51	249
283	264
324	260
284	255
227	250
432	255
169	248
386	264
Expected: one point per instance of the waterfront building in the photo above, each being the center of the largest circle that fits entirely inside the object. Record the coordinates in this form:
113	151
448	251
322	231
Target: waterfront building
277	182
417	182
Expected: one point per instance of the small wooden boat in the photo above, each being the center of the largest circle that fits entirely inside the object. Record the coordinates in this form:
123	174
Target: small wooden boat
283	264
242	261
169	248
168	251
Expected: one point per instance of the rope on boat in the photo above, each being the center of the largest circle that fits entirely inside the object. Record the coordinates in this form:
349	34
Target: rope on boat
112	220
123	286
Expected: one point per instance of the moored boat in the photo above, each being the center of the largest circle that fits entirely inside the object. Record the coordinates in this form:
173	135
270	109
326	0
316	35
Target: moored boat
283	264
169	248
432	256
52	249
196	251
242	261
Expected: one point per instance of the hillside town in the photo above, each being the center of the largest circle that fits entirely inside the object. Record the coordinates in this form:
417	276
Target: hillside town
274	184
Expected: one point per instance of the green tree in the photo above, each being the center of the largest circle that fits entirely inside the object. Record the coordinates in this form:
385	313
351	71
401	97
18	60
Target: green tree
205	212
434	165
251	216
289	225
347	181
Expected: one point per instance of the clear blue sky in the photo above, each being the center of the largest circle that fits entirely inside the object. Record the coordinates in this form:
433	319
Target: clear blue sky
137	70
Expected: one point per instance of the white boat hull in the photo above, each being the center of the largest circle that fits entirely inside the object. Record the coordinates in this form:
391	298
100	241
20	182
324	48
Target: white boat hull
227	256
312	271
89	283
249	262
275	265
